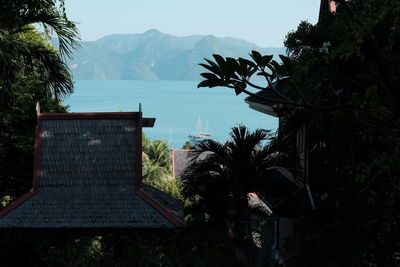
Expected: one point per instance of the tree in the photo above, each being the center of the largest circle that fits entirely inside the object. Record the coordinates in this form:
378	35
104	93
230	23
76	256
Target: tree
20	55
220	176
156	160
157	166
31	71
344	63
342	76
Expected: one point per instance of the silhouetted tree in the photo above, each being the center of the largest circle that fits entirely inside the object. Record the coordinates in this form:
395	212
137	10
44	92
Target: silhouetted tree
220	176
343	79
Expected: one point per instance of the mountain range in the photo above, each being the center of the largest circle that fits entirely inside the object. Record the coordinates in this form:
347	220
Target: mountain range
154	55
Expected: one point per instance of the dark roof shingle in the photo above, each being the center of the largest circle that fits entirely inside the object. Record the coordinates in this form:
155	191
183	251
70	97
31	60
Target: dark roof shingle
88	174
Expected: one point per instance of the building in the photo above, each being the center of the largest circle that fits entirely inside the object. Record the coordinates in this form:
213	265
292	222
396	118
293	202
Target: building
88	174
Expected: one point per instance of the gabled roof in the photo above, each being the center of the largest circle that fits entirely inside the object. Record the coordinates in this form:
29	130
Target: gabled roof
181	158
87	174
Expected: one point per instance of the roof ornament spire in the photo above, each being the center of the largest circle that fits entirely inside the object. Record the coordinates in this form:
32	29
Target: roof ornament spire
327	6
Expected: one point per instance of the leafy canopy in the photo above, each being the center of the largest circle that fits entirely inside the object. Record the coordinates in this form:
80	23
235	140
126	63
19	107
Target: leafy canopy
341	80
19	55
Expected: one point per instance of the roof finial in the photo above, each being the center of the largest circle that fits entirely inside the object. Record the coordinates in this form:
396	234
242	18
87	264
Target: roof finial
326	6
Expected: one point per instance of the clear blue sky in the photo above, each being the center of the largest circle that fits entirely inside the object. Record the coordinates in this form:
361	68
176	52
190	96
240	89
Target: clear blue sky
264	22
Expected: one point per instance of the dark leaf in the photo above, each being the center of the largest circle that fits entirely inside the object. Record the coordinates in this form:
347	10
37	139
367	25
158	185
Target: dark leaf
205	83
285	60
209	76
374	68
238	89
232	65
257	57
371	91
210	83
216	69
275	66
364	77
210	68
267	58
252	71
244	61
220	60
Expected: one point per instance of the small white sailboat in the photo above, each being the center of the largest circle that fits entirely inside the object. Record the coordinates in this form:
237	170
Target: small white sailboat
200	132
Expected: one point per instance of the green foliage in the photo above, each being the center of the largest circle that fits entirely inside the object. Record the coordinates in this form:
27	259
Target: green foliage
188	145
220	176
157	153
217	182
156	159
5	201
168	185
354	55
186	247
22	55
31	71
18	121
157	166
342	75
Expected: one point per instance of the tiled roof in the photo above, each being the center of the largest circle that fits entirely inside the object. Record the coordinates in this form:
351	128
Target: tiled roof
180	160
114	208
171	204
88	175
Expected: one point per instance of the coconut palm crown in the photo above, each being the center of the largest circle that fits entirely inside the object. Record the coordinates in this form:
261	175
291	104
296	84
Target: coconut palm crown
220	176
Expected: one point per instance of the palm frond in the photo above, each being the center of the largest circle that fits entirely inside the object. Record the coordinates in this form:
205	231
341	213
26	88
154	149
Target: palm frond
55	71
46	14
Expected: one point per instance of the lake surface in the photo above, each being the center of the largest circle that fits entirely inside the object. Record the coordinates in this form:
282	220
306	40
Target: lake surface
177	106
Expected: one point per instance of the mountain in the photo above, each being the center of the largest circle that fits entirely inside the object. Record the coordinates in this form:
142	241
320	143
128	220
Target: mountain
154	55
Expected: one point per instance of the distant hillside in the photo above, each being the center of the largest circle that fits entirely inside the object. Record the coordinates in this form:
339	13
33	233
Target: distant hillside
154	55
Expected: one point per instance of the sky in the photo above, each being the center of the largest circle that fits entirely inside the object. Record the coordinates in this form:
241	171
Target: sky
263	22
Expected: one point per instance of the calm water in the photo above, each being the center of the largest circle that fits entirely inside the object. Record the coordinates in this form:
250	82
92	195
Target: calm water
176	105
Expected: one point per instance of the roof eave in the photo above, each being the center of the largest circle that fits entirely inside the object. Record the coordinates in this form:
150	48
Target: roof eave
263	108
159	208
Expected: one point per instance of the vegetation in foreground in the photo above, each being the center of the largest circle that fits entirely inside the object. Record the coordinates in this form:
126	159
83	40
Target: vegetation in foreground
199	246
217	182
343	79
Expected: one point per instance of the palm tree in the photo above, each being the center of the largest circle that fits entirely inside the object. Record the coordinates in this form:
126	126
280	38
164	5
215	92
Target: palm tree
159	153
21	56
156	158
220	176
